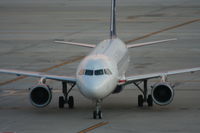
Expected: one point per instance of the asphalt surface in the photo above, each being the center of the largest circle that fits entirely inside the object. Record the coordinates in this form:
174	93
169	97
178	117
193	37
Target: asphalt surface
28	29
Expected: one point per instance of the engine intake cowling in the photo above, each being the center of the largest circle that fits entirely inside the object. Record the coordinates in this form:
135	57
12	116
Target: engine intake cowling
162	93
40	95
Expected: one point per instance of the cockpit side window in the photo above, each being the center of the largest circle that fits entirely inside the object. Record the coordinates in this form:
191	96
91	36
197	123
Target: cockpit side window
107	71
99	72
89	72
81	72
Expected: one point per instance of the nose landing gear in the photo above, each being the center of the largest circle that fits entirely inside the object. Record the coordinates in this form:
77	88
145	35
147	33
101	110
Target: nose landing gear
97	114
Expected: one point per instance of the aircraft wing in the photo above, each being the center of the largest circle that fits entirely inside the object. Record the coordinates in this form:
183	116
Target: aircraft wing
136	78
39	75
149	43
77	44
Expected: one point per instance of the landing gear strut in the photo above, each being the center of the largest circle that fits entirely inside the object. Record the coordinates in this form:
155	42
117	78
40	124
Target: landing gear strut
144	98
66	99
97	114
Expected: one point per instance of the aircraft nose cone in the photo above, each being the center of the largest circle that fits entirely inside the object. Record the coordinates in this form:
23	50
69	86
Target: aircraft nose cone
94	88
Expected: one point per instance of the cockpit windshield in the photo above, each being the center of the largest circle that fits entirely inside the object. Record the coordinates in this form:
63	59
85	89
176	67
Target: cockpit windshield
89	72
97	72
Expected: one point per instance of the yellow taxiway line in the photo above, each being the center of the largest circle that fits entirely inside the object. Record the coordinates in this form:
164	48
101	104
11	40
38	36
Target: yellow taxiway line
93	127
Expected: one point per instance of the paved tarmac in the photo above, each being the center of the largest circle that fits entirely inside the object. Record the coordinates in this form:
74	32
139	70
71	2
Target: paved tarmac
28	29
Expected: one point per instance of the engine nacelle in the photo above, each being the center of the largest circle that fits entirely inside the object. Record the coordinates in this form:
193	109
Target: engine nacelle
40	95
162	93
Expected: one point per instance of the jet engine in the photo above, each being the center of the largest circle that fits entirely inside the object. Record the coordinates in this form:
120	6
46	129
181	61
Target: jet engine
162	93
40	95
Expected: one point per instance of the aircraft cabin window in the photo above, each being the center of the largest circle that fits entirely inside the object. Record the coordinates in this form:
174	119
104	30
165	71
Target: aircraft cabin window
99	72
89	72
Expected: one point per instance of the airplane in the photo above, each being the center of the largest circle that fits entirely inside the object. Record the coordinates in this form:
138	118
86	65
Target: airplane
102	73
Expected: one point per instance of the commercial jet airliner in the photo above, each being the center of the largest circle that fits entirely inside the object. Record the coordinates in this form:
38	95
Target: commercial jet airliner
102	73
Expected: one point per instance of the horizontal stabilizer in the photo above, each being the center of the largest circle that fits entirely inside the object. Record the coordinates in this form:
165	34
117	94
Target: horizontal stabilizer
77	44
149	43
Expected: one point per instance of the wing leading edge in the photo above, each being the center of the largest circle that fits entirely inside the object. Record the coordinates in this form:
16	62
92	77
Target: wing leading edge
39	75
134	78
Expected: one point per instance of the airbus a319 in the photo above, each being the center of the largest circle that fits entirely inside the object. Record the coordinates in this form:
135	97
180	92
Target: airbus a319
102	73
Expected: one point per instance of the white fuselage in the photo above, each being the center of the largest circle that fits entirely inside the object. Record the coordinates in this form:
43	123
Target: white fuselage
98	73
